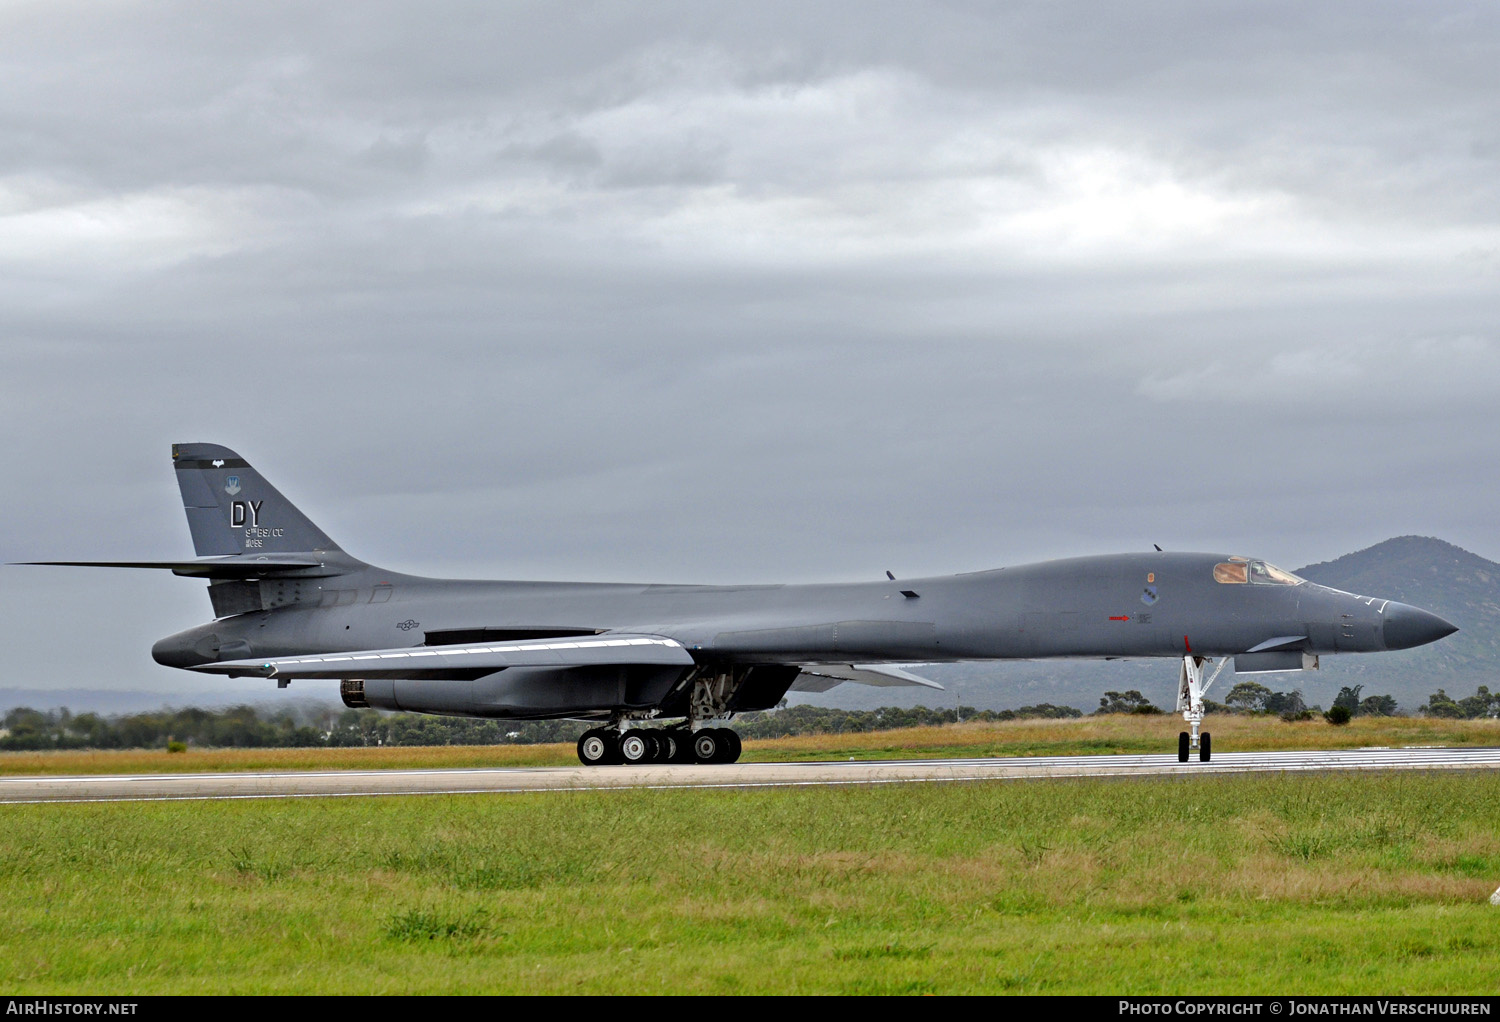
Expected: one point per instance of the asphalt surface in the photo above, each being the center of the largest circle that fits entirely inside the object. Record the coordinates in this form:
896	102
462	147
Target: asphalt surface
311	784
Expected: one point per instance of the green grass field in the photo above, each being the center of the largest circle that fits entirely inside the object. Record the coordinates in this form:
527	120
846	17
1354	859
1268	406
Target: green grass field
1336	883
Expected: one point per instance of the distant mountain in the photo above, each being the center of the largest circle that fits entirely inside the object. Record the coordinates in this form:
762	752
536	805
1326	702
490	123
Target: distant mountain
1425	572
111	702
88	700
1436	576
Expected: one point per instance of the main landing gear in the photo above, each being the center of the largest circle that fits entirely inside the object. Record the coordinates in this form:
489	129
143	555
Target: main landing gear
1190	689
601	746
692	741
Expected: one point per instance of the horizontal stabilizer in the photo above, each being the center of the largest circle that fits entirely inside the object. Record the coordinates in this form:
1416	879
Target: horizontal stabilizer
469	660
822	677
213	567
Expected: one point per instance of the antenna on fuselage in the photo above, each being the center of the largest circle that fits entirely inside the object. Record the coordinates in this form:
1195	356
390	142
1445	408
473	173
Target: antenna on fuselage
889	575
1158	547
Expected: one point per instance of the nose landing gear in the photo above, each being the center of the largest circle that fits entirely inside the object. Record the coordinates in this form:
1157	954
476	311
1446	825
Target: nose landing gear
1190	689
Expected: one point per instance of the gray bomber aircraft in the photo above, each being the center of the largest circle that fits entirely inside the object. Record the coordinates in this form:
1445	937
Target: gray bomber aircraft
290	604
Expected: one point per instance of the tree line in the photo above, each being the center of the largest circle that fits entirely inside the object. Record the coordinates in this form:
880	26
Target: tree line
1253	697
314	725
789	721
246	727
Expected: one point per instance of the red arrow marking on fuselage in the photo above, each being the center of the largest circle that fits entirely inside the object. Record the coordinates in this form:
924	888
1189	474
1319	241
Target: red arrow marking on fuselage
1123	617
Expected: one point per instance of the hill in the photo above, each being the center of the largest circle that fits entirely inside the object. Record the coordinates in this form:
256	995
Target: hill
1436	576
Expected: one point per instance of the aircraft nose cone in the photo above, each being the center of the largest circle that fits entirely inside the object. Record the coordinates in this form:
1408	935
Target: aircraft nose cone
1407	626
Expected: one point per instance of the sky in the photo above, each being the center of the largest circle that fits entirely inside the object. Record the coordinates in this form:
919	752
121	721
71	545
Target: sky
782	292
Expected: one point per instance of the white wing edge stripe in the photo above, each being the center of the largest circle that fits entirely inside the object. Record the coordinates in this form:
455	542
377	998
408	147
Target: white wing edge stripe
484	649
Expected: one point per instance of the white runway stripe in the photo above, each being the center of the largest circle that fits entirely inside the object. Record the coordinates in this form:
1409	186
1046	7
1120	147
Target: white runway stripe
295	784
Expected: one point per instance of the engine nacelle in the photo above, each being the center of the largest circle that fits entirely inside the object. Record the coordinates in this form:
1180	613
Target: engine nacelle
1274	660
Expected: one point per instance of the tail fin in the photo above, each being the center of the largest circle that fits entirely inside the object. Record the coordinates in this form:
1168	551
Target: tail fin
232	510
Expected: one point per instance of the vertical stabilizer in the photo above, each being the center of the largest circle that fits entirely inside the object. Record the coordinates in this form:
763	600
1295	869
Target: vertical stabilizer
231	509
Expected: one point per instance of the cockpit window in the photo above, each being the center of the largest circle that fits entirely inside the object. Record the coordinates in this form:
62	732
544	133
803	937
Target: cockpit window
1268	574
1227	572
1239	570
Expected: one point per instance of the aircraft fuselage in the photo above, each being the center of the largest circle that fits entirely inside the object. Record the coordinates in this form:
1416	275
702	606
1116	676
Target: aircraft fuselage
1112	606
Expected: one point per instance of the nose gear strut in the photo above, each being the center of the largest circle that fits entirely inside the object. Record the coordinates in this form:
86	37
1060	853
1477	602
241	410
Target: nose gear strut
1190	690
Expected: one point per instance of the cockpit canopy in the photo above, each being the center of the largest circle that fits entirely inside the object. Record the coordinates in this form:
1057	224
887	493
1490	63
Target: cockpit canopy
1240	570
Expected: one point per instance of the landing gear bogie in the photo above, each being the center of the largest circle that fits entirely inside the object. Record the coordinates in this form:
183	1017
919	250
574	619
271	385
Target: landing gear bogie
601	746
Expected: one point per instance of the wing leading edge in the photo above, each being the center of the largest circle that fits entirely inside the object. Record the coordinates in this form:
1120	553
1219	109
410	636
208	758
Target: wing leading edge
465	660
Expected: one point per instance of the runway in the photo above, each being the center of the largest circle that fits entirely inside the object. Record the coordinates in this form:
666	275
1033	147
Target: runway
348	783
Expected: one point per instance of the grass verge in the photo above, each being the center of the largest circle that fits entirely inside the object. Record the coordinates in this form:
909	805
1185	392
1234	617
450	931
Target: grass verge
1209	884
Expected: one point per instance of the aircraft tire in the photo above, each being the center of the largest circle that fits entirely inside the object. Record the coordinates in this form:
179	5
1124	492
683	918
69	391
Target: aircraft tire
596	747
661	746
1182	746
733	745
1203	747
682	742
635	747
707	745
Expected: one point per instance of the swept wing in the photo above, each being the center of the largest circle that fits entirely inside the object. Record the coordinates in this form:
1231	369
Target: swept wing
822	677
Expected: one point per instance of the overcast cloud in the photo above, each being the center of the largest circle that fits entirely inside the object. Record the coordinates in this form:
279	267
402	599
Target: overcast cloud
702	292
